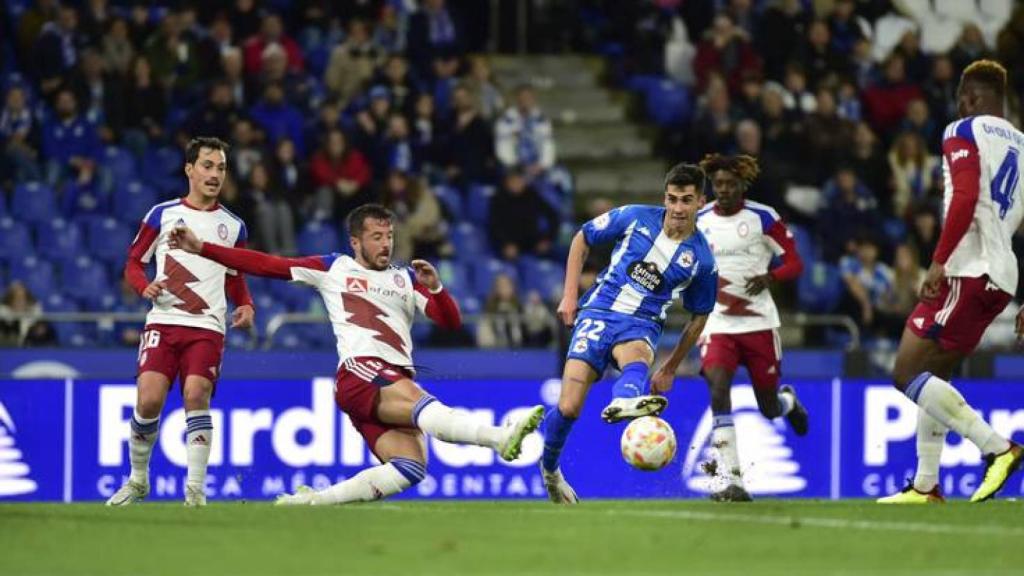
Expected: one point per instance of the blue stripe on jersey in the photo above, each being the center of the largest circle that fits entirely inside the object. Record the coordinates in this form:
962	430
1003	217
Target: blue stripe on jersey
763	212
641	281
328	259
705	209
156	213
965	130
243	232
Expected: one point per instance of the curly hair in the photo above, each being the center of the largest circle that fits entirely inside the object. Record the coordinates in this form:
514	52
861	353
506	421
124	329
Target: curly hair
742	166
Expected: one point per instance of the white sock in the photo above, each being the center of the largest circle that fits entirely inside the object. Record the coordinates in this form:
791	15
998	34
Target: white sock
197	446
786	402
140	446
945	404
931	435
723	438
450	425
374	483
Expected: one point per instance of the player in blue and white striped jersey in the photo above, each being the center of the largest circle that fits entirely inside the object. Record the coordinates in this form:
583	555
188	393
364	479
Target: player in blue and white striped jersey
659	257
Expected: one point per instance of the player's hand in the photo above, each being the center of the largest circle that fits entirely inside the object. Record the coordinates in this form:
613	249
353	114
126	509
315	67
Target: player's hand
933	280
567	310
757	284
183	238
154	290
243	317
661	381
426	274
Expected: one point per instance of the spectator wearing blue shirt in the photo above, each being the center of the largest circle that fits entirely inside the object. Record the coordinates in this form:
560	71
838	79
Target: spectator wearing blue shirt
524	137
432	30
70	142
19	155
868	282
278	118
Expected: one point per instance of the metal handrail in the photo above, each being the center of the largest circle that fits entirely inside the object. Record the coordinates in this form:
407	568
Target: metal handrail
841	320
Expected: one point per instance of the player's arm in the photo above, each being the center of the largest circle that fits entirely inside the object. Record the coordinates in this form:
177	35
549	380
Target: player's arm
139	254
243	259
578	252
237	291
699	300
434	301
965	173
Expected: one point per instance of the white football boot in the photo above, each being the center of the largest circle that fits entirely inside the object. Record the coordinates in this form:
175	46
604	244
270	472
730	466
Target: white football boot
303	497
628	408
129	493
512	445
559	490
194	497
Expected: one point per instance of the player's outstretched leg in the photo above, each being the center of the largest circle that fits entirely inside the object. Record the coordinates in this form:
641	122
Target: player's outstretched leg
450	425
140	447
630	398
397	475
727	467
924	489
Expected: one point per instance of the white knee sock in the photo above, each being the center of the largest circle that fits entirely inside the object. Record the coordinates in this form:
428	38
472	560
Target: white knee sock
140	446
450	425
723	438
786	403
374	483
198	440
931	435
945	404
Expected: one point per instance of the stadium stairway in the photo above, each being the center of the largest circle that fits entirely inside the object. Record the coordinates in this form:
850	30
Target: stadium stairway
607	154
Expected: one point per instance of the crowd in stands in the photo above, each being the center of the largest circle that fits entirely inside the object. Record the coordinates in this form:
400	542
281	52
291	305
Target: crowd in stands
842	101
326	105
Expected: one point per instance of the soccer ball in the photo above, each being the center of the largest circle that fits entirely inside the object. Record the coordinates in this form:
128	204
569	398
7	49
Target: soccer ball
648	443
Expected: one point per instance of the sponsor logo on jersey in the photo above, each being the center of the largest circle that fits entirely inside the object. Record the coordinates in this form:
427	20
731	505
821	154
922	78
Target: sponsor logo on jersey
766	460
646	274
918	322
356	285
602	221
222	231
14	474
959	154
685	259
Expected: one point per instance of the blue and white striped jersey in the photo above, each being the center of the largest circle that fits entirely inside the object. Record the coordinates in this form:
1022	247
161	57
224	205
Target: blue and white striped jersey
648	271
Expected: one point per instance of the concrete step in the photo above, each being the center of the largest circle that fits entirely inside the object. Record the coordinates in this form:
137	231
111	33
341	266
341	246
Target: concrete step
601	141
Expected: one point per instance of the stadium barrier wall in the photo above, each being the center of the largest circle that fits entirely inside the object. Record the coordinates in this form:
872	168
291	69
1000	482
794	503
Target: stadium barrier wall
66	440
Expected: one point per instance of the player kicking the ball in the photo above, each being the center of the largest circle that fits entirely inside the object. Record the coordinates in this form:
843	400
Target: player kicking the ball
744	235
972	278
372	305
184	333
659	256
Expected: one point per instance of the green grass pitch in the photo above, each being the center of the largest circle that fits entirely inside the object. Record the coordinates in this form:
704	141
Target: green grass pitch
447	538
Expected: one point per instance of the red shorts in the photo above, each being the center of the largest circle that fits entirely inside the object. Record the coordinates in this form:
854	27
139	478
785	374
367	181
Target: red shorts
181	351
958	317
357	391
759	351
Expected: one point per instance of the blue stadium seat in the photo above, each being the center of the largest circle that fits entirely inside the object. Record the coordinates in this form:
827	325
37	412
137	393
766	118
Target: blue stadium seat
132	200
15	239
119	164
321	335
318	238
162	161
237	339
33	202
543	276
86	280
295	296
478	204
469	242
668	104
642	84
819	288
804	245
59	240
36	274
267	307
485	271
108	240
451	201
454	276
291	337
470	305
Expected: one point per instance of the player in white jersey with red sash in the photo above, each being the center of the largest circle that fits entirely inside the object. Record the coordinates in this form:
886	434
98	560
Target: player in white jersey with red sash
972	278
184	334
742	329
372	305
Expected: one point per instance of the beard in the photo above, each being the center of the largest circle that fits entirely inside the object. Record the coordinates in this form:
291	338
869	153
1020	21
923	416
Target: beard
370	260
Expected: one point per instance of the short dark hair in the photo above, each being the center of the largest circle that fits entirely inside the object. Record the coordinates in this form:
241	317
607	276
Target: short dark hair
684	174
356	219
988	73
198	143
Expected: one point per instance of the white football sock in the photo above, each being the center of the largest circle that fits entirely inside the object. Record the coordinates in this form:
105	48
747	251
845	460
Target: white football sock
450	425
723	438
786	402
373	483
931	435
197	446
140	446
946	405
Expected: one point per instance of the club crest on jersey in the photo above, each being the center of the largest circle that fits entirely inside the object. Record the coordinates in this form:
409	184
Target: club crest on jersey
222	231
743	229
399	281
646	274
356	285
602	221
685	259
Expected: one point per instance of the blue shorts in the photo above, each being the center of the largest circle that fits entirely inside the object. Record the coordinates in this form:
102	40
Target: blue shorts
597	332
